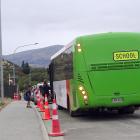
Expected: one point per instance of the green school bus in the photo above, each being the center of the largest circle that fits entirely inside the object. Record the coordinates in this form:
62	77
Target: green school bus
98	72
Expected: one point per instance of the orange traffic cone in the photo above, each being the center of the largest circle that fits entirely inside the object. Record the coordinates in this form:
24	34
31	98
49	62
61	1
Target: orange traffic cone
55	122
14	97
38	101
38	98
17	96
41	105
46	114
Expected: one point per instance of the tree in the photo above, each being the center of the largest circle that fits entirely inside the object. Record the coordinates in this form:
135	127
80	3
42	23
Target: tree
25	67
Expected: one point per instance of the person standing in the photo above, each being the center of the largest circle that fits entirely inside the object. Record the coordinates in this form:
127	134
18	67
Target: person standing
28	96
45	89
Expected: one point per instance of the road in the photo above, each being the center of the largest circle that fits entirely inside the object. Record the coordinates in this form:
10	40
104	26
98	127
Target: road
105	126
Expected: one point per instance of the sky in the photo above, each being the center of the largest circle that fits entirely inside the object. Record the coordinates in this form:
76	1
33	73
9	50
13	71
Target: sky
52	22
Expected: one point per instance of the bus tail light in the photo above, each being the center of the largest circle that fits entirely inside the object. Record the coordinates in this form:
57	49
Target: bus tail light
79	47
84	94
85	97
81	88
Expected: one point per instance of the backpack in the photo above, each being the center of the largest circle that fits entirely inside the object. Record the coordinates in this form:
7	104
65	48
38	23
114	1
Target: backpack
27	96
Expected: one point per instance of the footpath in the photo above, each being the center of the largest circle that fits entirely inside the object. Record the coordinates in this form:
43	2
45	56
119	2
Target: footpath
20	123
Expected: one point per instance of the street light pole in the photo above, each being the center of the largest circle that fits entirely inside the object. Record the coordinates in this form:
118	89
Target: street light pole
14	74
24	46
1	61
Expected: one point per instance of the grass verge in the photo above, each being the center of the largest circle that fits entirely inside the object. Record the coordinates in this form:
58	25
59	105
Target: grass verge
4	103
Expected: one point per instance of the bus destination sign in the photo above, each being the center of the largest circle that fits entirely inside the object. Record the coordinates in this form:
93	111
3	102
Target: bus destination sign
131	55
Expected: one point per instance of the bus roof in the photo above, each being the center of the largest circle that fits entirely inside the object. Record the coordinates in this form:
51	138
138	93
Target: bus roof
62	50
99	35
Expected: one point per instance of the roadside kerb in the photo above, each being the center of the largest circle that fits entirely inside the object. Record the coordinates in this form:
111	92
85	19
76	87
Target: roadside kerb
47	124
42	126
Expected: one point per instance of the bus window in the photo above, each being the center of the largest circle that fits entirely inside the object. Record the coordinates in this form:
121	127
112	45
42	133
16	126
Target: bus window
63	66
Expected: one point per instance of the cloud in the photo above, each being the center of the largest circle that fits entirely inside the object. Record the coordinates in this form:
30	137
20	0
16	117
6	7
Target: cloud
56	22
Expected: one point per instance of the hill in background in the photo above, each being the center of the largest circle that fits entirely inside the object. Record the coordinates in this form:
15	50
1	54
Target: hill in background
36	75
35	58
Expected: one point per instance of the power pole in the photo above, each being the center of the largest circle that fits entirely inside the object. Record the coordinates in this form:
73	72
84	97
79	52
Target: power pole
9	79
1	62
14	75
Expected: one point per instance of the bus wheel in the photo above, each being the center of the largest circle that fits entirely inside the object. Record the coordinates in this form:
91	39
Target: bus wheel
127	110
